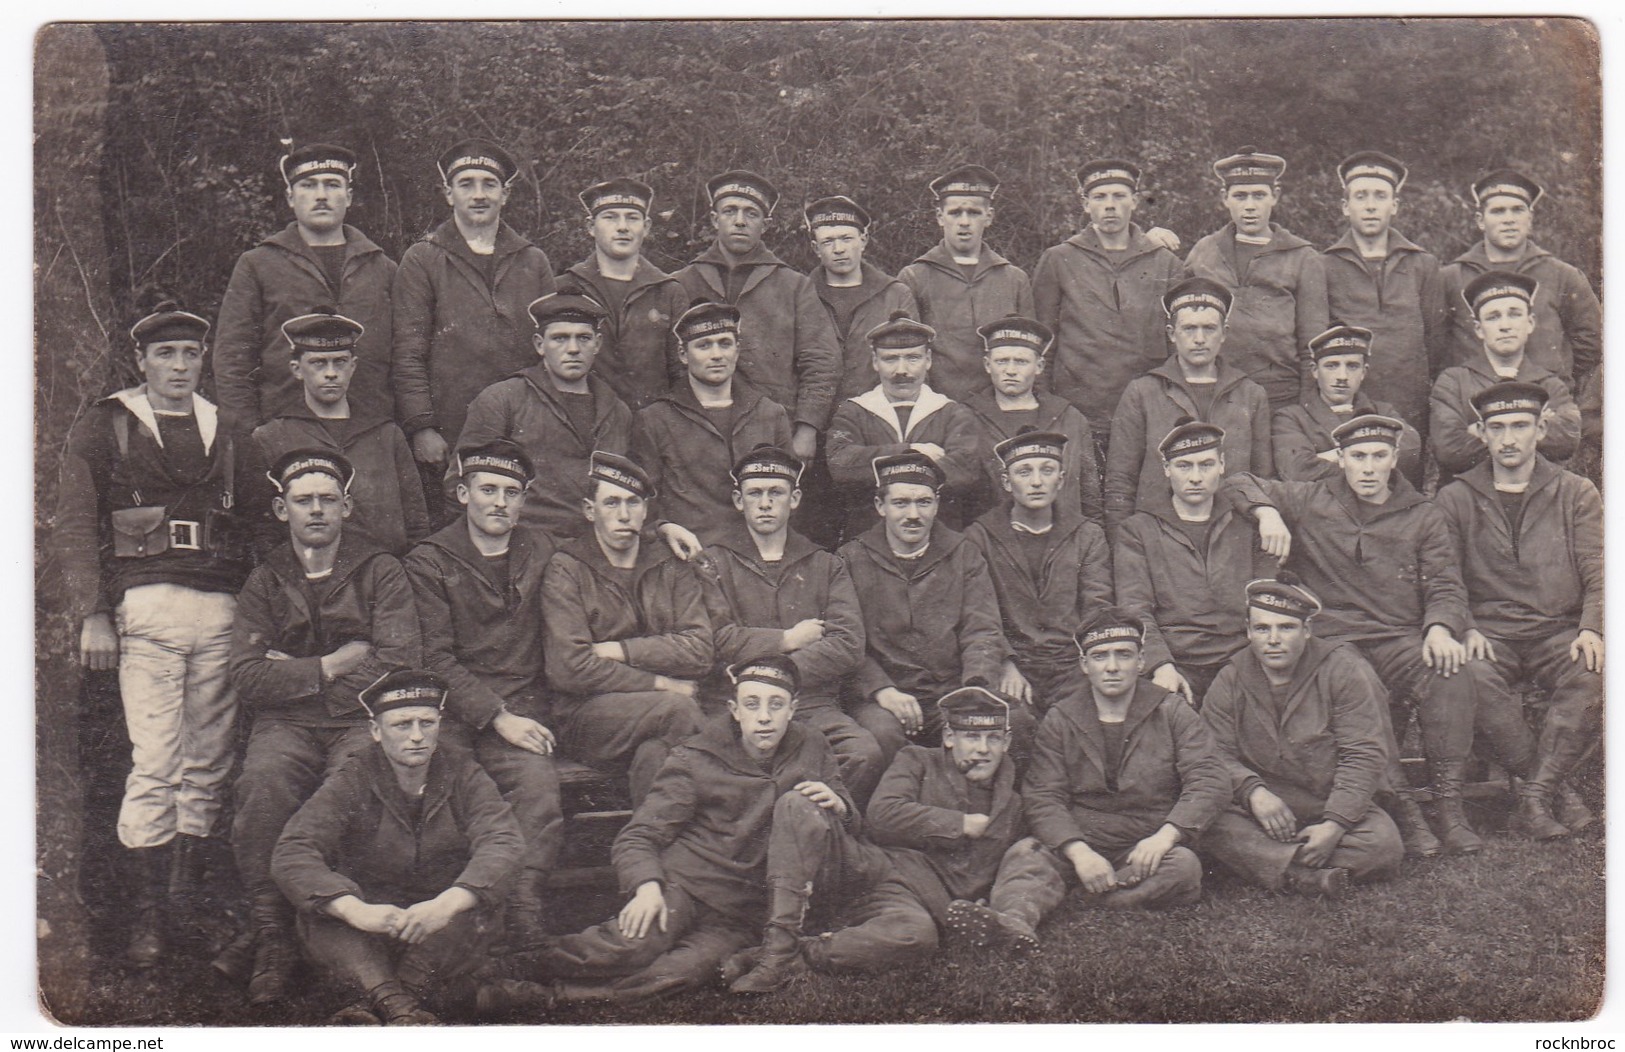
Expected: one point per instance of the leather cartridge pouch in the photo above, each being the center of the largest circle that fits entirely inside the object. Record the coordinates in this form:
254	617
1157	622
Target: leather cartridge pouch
140	532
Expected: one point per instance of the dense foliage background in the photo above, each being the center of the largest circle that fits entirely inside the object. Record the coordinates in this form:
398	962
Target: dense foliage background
156	150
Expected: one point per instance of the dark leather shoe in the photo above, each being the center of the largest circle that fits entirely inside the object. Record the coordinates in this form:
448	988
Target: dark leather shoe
1316	883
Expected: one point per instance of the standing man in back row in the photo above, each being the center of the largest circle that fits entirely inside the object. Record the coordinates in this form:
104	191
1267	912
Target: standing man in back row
1101	291
460	307
636	354
790	350
1276	277
961	284
1378	279
316	260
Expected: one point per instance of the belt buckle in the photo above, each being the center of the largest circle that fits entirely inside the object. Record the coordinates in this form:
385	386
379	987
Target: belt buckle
186	535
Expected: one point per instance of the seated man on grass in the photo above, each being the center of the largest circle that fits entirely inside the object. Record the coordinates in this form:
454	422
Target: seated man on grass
400	861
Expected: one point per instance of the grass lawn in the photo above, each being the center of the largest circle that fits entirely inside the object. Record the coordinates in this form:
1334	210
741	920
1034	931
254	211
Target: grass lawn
1516	933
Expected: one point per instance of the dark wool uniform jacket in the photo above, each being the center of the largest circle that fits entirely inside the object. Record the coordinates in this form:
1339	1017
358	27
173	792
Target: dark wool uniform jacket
1039	616
1105	309
455	334
1383	571
882	295
1327	741
704	825
690	460
1151	407
865	427
1568	317
787	343
1170	772
1192	601
484	641
355	836
281	278
525	409
1299	432
918	814
1401	300
387	491
95	481
749	611
932	624
1082	489
658	617
370	600
1546	575
1280	305
957	306
1456	449
637	354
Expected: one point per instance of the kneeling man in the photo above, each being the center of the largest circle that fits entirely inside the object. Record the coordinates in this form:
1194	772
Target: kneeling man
1299	723
400	861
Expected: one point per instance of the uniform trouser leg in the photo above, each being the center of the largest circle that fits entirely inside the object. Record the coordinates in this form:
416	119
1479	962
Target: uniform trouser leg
1031	882
530	784
179	710
1574	710
1370	850
859	755
365	960
635	730
612	966
1444	704
1177	882
883	727
285	764
1200	677
885	926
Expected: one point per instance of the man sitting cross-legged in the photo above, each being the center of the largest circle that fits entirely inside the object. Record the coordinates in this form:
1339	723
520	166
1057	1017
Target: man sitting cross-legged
399	862
1299	723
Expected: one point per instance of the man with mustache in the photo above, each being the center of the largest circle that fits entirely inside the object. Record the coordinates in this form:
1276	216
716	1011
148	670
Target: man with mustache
460	304
319	620
1564	311
1503	310
1341	368
387	493
316	260
478	586
1529	537
930	612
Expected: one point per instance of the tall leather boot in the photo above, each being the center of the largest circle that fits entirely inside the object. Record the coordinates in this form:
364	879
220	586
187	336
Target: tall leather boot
151	885
1454	832
1532	812
781	958
397	1005
526	915
274	952
1414	833
1560	750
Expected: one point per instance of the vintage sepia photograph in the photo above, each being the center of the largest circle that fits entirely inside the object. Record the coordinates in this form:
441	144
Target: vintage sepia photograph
893	521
